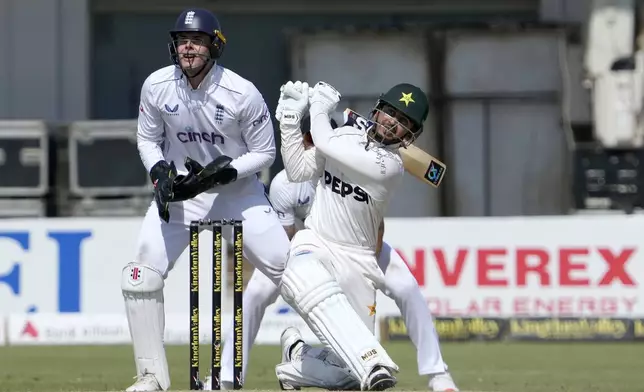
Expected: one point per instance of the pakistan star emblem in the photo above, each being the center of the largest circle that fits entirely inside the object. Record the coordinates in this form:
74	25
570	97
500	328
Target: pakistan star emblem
407	99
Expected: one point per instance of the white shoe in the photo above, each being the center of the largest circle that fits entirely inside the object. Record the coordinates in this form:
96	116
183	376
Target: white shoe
145	383
289	339
442	382
225	385
380	379
285	386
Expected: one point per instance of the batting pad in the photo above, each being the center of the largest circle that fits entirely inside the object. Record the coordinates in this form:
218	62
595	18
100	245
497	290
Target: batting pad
314	293
317	368
142	289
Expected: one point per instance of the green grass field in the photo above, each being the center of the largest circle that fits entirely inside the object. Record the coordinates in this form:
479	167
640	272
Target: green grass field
475	367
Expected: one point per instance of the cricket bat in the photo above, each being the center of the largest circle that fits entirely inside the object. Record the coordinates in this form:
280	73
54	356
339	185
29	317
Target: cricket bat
423	166
417	162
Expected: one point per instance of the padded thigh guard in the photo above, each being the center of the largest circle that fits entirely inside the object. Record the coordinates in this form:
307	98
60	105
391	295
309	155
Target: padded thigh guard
313	292
142	289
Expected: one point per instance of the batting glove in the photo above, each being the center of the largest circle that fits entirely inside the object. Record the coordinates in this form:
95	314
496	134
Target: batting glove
292	104
324	99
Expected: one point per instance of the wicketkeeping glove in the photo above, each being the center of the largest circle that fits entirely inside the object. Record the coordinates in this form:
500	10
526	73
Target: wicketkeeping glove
200	179
292	104
162	175
324	99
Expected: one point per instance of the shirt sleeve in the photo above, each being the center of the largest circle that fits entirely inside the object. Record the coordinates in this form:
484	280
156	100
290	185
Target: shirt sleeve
282	200
375	164
257	132
300	164
150	131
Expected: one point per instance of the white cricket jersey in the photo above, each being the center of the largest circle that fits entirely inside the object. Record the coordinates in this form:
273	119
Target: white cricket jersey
356	180
291	200
225	115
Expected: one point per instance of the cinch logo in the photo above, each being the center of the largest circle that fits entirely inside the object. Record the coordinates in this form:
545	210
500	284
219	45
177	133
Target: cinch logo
191	136
344	189
68	258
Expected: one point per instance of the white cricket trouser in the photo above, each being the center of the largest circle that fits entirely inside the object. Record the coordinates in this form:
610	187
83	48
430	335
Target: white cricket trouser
160	244
355	269
265	243
399	284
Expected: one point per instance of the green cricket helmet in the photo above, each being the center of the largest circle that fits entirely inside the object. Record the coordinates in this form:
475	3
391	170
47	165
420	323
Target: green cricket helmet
409	101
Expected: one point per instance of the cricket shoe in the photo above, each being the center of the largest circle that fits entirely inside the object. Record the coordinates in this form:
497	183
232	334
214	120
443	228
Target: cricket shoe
380	379
145	383
225	385
292	343
442	382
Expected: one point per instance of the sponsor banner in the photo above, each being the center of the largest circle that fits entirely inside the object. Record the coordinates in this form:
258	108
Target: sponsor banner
99	329
450	329
106	329
67	329
638	329
95	329
565	266
74	265
111	329
569	329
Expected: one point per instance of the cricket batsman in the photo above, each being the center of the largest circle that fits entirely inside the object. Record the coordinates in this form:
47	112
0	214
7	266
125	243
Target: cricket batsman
204	133
292	202
332	271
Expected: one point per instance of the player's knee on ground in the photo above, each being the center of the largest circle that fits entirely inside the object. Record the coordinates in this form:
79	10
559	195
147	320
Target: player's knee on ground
313	292
318	368
142	289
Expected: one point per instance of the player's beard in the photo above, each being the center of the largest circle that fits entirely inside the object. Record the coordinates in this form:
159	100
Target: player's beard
384	134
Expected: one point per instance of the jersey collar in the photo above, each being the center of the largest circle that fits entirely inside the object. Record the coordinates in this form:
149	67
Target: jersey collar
213	74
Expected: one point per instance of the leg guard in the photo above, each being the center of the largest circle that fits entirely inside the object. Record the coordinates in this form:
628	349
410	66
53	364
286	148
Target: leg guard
314	293
318	368
142	289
